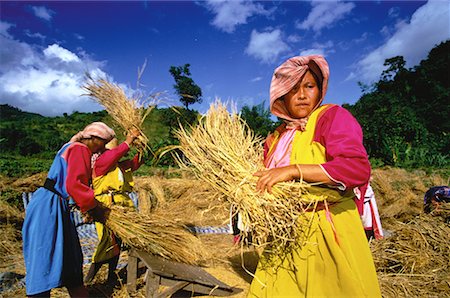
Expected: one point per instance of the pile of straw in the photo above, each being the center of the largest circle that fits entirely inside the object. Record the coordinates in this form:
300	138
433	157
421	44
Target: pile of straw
185	200
126	112
11	221
400	192
414	261
10	248
155	234
31	183
223	153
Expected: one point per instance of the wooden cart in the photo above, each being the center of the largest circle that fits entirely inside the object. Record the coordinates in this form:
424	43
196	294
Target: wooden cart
177	276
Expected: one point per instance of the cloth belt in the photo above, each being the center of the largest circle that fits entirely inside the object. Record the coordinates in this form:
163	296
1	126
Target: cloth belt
324	205
50	185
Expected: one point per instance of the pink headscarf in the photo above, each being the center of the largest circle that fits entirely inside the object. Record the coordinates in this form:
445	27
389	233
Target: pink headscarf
287	75
95	129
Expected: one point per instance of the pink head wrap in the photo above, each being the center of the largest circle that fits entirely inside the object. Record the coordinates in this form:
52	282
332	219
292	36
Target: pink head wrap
95	129
287	75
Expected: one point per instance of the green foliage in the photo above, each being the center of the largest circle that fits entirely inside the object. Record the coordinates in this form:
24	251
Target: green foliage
404	115
258	119
395	66
185	86
172	118
29	134
18	166
176	116
29	142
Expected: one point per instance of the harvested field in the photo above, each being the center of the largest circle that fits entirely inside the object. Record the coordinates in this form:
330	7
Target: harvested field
412	261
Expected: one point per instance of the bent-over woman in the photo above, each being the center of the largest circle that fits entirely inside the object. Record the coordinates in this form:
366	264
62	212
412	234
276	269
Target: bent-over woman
51	247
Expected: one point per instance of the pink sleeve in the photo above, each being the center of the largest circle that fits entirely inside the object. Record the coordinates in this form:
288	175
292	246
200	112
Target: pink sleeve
109	158
78	159
132	164
347	160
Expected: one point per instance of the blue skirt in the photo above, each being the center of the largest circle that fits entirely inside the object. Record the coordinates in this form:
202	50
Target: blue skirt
51	247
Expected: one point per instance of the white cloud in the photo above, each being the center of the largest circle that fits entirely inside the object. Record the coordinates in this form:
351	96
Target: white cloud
394	12
312	52
78	36
55	51
326	45
43	12
256	79
230	14
319	49
4	27
429	26
325	14
34	35
294	38
266	46
46	81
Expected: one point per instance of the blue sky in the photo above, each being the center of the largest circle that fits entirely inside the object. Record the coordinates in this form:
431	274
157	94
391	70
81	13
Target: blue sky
232	46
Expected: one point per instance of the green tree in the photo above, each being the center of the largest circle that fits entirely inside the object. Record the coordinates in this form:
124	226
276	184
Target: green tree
185	86
404	115
394	65
258	119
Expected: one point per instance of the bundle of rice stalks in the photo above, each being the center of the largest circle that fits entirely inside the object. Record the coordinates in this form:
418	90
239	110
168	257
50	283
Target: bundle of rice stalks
155	234
150	193
197	209
126	112
223	152
189	201
414	261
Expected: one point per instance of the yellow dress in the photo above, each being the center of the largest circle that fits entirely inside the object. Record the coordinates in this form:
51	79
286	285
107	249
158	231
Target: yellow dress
336	261
109	189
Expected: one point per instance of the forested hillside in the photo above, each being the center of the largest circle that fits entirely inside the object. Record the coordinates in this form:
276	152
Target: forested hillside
404	116
28	142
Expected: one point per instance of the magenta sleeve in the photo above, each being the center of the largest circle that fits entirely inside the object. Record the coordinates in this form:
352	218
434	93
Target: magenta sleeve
341	135
78	176
109	158
132	164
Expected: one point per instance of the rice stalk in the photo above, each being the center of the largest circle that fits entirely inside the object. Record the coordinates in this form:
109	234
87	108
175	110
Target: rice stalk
127	112
223	152
414	261
155	234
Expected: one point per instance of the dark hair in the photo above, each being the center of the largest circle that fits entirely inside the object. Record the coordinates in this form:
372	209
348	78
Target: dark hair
316	78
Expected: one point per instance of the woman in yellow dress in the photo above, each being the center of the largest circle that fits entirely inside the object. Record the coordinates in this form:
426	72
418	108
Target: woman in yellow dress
112	181
317	143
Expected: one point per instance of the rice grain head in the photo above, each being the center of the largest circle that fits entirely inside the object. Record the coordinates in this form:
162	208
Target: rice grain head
127	112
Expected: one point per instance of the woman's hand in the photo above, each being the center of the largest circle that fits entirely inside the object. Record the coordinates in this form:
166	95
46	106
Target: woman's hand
268	178
133	134
99	213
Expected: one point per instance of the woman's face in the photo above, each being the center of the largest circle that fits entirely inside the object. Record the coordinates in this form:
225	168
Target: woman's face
303	98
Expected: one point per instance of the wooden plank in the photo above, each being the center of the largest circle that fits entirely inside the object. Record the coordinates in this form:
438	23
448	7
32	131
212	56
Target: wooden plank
172	290
180	271
132	273
201	289
151	283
